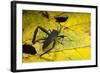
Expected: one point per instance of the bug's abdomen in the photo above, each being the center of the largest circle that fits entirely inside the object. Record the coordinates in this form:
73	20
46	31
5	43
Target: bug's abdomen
53	35
46	44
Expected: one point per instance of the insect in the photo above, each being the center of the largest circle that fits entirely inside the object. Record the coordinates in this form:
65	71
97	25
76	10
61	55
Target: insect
29	49
52	36
49	39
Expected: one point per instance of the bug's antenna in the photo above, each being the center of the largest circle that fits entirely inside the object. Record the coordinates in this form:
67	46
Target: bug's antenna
60	27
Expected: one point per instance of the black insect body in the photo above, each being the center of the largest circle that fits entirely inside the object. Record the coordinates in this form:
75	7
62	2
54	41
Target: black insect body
52	36
28	49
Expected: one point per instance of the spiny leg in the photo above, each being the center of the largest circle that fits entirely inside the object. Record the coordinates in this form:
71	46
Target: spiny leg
49	49
35	33
50	30
62	36
40	40
60	27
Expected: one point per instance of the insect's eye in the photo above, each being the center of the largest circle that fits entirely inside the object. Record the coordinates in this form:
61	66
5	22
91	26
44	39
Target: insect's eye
61	19
28	49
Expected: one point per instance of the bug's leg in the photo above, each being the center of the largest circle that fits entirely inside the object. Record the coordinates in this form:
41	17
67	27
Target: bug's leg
60	42
60	27
36	30
50	30
40	40
49	49
43	29
62	36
